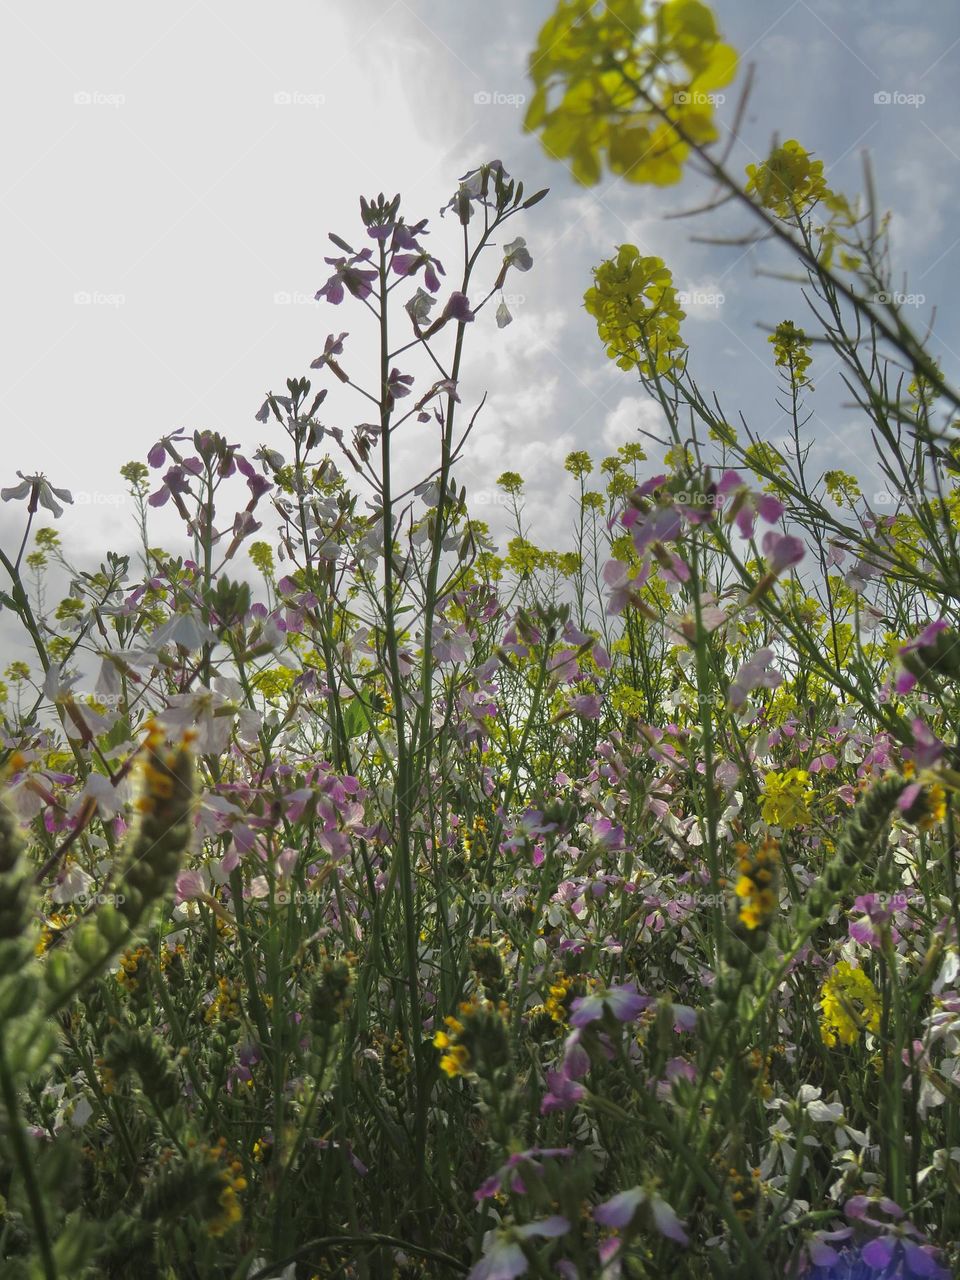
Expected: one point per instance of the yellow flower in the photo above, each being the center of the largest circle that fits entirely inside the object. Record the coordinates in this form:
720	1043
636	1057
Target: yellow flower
786	797
788	182
757	886
638	317
850	1004
619	82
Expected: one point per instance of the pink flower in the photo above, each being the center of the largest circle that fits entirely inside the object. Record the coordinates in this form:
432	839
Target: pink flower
782	551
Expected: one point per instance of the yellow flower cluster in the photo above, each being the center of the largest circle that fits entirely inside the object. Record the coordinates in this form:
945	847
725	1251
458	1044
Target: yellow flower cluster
228	1212
850	1004
791	348
786	798
476	1042
226	1003
558	998
629	83
757	886
638	317
788	182
128	974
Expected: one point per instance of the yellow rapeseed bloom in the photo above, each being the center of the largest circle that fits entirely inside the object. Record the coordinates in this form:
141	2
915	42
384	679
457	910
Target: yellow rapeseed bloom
786	797
850	1004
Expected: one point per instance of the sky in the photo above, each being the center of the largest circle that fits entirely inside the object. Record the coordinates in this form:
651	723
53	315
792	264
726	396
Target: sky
172	172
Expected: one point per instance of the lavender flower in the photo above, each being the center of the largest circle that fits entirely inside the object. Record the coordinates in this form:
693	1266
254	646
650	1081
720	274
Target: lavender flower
625	1003
621	1213
503	1258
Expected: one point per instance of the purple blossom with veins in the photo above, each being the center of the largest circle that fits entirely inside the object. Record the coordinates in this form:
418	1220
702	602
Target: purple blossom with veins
256	483
782	550
664	524
408	264
899	1248
450	644
348	275
457	308
563	1093
508	1175
927	748
158	454
399	384
621	1213
820	1246
623	583
332	347
905	679
176	483
745	505
624	1002
756	673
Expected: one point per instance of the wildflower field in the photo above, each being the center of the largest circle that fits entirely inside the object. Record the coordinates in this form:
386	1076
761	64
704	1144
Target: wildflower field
379	902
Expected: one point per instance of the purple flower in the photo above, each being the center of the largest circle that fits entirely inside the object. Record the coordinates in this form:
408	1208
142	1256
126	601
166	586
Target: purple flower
622	584
562	1094
399	384
624	1002
663	525
756	673
408	264
782	551
175	483
332	347
927	747
621	1211
507	1175
458	308
747	505
348	274
924	639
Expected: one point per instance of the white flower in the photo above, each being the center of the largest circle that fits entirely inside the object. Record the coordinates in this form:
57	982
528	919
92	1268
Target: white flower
39	490
183	629
516	254
781	1149
72	886
832	1113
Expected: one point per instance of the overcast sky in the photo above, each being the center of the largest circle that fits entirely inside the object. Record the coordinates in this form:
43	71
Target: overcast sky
172	171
